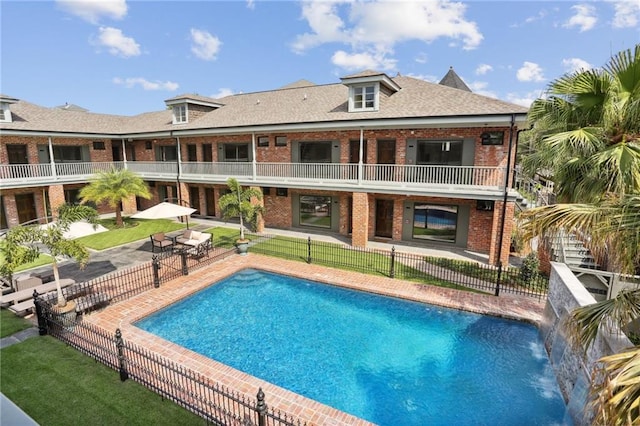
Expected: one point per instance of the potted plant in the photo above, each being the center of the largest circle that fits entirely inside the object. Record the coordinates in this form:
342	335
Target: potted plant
241	203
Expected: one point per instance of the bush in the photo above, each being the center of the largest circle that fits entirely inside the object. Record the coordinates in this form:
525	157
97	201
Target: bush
530	269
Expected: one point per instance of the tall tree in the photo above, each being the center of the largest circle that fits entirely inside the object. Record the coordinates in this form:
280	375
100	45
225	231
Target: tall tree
239	202
113	187
586	131
23	244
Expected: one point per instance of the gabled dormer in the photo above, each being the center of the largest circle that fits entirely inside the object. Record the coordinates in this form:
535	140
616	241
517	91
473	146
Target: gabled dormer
187	108
365	89
5	108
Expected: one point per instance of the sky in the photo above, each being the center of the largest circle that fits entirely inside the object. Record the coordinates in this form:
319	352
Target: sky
127	57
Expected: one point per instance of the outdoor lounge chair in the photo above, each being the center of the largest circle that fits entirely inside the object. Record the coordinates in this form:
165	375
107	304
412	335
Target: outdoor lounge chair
197	243
160	241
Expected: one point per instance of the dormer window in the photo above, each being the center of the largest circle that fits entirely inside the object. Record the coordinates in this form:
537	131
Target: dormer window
179	114
364	98
5	112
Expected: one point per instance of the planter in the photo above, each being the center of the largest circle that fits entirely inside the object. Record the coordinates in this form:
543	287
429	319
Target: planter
66	315
242	246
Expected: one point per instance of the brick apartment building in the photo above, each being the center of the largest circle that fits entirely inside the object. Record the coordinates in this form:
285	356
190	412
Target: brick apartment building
373	157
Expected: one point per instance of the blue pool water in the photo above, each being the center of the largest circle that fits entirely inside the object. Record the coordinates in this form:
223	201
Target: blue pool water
386	360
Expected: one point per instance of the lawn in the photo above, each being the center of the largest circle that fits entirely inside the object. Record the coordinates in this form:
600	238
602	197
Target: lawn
57	385
43	259
10	323
136	229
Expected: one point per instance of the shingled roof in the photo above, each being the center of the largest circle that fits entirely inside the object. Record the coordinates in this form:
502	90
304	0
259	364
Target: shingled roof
304	104
452	79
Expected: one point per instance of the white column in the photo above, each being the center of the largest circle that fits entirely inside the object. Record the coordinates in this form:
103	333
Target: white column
51	160
253	156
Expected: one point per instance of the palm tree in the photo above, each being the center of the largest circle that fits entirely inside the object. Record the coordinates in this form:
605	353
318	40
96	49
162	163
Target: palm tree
113	187
240	203
27	242
586	131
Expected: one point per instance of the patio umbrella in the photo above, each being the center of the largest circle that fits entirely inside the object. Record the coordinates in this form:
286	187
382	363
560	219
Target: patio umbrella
163	211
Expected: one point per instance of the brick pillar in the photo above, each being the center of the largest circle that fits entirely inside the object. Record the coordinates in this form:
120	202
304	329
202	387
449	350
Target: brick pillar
11	210
260	219
496	232
184	196
56	198
360	215
129	205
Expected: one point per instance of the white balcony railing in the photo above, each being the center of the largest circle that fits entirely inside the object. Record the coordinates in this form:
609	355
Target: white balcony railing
370	176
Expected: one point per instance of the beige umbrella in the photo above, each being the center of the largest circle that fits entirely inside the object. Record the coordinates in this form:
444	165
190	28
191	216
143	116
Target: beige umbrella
165	210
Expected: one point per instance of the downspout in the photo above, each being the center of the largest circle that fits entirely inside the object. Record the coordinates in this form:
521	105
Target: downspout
124	153
506	191
360	154
253	156
52	160
179	159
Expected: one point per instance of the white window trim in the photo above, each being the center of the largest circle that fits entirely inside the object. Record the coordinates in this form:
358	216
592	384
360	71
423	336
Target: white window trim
376	97
176	117
7	113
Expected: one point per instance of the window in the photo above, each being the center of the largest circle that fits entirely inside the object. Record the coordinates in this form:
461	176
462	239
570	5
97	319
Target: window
281	141
147	145
180	114
5	112
236	152
315	211
98	145
192	154
492	138
363	98
435	222
266	190
167	153
207	153
440	153
70	154
263	141
485	205
282	192
315	152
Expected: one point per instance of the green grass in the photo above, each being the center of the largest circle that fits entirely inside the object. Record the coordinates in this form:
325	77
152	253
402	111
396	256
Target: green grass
119	236
10	323
57	385
337	256
225	237
43	259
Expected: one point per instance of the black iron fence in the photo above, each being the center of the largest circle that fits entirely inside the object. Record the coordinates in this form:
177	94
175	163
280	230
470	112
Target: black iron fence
213	402
409	266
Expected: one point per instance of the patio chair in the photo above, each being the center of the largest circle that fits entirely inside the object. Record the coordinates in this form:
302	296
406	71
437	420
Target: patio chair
161	241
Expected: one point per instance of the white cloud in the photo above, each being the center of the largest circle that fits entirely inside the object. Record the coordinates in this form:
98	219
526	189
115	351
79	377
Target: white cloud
251	4
146	84
223	92
117	43
575	64
530	71
205	46
480	88
426	77
483	69
422	58
627	13
525	99
92	11
373	28
360	61
585	17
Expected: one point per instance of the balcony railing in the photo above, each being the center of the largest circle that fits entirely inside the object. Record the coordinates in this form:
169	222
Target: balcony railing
369	176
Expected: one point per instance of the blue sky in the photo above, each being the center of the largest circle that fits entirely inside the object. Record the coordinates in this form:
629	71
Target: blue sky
126	57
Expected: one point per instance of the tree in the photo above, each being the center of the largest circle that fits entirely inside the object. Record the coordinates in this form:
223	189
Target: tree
27	242
113	187
586	131
240	203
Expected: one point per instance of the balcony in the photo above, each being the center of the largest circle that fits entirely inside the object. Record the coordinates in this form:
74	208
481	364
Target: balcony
389	178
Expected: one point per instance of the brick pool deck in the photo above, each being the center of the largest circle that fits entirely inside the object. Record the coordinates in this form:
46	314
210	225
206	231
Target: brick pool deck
123	314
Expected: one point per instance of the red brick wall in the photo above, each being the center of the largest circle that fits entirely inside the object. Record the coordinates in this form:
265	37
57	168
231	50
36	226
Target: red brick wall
361	219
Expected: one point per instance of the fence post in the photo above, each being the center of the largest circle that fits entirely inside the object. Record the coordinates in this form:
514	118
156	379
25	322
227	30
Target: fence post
392	271
499	278
185	267
156	271
42	321
308	249
121	365
261	408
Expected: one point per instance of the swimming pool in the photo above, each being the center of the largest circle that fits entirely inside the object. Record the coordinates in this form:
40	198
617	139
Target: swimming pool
386	360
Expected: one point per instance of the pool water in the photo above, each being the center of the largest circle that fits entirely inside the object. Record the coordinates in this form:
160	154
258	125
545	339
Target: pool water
386	360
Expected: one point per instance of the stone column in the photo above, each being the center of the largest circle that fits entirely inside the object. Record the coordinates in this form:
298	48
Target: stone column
360	219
